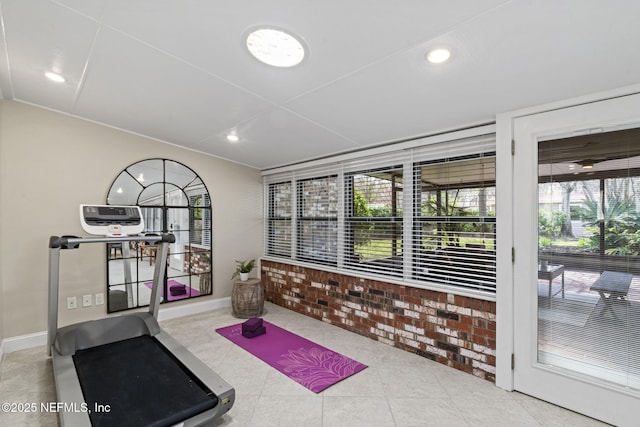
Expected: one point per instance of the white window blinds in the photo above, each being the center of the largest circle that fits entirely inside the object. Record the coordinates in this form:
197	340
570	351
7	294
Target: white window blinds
317	217
422	213
373	220
280	208
454	224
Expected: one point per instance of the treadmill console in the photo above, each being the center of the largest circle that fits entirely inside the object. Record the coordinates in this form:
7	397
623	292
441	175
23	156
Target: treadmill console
111	221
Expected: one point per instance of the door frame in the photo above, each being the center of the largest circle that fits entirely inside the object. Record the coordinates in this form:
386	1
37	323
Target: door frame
508	357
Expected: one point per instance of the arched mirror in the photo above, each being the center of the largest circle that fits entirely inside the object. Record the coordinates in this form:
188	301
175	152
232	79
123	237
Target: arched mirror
173	199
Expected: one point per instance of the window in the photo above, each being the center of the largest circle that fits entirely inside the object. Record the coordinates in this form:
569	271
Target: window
454	224
279	219
173	199
373	220
200	220
317	220
424	214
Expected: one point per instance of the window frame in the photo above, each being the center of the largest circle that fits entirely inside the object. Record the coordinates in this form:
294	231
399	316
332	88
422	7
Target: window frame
471	142
386	266
463	266
271	246
324	256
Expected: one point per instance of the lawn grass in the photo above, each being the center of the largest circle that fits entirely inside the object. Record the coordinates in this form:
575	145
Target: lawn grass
377	249
380	249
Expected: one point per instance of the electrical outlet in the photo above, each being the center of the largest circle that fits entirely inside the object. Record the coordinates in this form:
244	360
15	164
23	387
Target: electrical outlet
71	303
99	299
86	300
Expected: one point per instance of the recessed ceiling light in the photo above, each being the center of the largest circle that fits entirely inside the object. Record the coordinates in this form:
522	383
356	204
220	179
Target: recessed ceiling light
232	137
275	47
438	56
54	77
587	163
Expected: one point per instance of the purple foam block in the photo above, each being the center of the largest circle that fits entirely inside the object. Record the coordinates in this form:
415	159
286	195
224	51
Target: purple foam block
251	334
252	324
178	290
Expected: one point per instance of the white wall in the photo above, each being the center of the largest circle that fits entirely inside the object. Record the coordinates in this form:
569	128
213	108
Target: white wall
49	164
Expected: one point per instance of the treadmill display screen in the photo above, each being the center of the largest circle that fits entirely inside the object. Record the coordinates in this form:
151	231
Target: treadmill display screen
111	221
106	215
112	211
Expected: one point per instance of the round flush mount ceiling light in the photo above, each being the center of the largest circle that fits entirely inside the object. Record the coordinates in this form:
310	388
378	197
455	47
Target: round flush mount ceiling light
54	77
438	56
275	47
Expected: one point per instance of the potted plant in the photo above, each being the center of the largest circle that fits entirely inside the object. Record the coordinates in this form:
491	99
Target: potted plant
243	269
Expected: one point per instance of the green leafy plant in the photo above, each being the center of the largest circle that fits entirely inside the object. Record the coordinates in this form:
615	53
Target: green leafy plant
544	242
550	223
362	231
450	231
620	222
243	267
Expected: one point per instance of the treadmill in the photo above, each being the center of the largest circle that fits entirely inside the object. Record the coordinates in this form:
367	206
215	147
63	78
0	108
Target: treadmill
125	370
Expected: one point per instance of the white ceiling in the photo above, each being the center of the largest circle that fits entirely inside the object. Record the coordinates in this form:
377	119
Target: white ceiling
177	70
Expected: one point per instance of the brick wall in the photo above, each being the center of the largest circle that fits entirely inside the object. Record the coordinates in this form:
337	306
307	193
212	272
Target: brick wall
453	330
196	260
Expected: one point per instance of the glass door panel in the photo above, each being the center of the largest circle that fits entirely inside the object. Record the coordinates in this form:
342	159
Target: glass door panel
588	247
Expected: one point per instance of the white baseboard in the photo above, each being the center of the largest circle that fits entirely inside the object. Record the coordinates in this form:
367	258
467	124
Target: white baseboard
193	308
23	342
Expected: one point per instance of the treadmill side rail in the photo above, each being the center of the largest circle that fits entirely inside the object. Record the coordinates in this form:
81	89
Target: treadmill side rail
54	274
69	392
225	393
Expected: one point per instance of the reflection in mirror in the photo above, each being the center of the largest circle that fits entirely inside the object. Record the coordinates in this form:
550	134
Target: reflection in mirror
147	172
122	273
125	190
153	195
173	199
175	196
179	175
195	190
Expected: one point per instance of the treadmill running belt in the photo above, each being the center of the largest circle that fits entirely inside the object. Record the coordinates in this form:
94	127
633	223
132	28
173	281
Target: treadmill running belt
142	384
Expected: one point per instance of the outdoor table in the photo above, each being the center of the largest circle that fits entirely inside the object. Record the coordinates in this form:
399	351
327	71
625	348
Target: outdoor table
613	283
550	272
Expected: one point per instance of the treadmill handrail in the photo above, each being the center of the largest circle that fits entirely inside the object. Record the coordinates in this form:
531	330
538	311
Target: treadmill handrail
72	242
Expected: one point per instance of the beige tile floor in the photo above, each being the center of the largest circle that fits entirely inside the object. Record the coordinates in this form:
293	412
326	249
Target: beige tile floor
397	389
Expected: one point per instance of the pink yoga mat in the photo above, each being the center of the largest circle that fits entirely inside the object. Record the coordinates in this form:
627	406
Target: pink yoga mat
304	361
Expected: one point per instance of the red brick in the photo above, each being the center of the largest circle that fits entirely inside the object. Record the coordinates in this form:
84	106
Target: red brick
485	333
466	320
